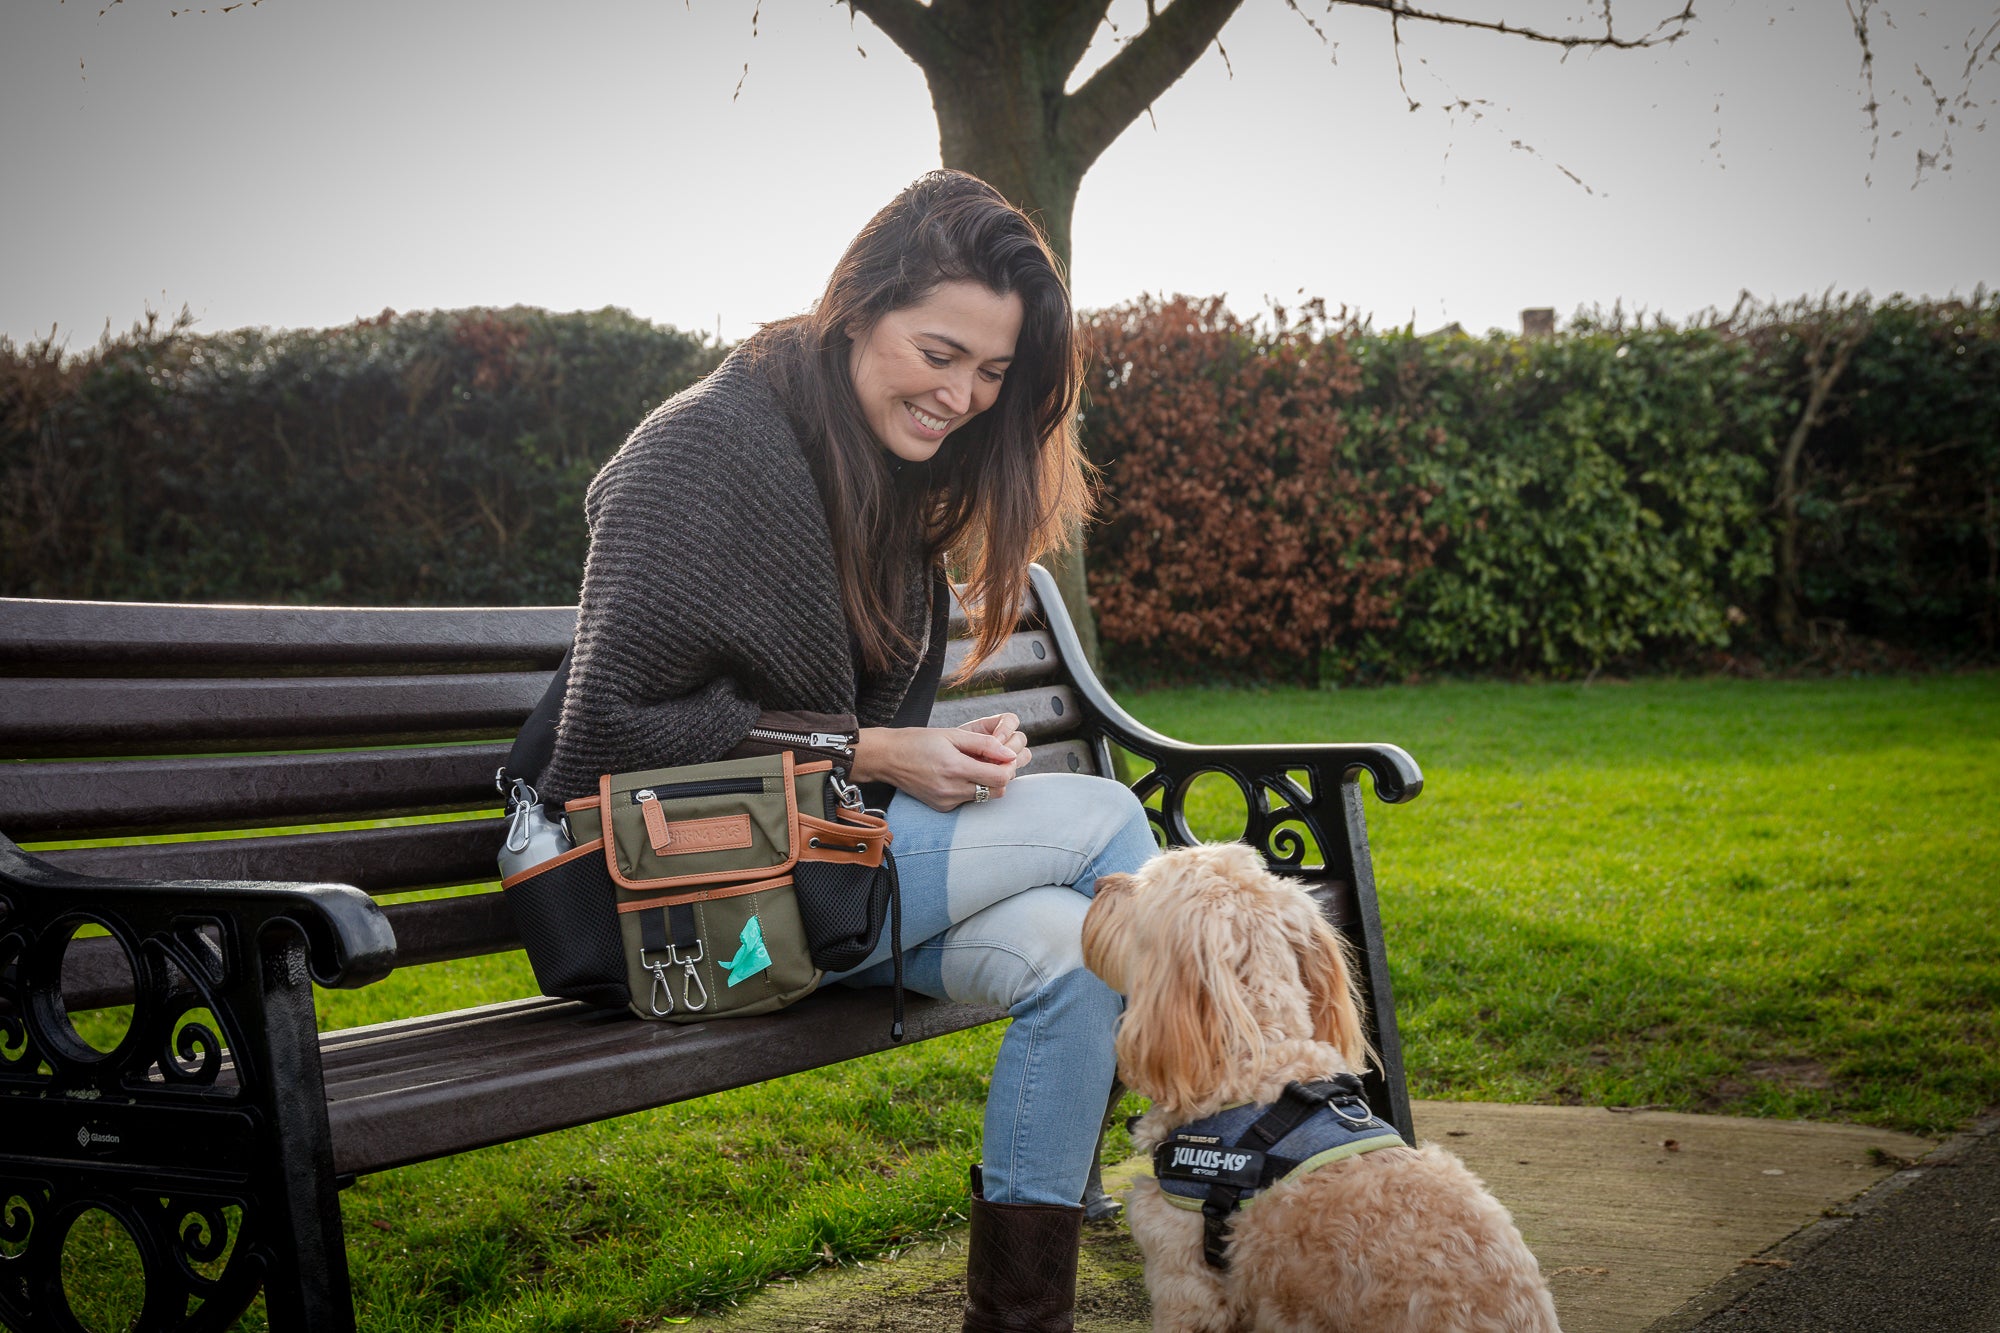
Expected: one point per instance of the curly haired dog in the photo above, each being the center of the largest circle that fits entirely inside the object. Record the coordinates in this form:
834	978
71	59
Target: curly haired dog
1236	986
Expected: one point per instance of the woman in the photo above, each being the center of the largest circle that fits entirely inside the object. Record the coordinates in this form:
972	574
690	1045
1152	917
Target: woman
763	551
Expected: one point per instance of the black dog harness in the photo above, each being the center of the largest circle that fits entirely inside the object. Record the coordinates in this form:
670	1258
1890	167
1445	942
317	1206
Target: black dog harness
1223	1162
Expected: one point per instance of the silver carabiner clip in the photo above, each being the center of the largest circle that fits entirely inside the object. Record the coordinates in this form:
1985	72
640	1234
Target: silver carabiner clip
662	990
691	980
520	802
849	794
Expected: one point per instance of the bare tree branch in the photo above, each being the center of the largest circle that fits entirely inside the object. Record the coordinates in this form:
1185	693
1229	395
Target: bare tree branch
1668	31
1097	113
1859	17
909	25
1071	31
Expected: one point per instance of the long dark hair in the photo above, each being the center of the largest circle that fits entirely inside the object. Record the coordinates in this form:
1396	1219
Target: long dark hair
1008	485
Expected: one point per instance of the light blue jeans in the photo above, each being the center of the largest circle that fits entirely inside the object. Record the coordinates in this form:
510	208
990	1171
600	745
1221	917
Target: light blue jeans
993	904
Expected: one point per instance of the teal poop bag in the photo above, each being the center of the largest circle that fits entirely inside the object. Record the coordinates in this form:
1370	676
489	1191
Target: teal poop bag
751	955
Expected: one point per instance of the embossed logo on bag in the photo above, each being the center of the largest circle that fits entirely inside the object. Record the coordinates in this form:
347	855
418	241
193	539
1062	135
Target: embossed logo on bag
720	834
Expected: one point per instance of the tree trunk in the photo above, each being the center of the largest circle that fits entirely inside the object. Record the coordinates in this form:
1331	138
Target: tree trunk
1828	350
1049	197
998	110
997	71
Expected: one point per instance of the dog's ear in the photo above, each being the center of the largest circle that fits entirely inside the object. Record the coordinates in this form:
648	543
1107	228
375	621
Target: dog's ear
1186	1027
1115	882
1331	982
1107	930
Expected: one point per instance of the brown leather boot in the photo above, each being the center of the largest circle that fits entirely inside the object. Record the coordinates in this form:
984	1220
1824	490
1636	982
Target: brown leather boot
1020	1271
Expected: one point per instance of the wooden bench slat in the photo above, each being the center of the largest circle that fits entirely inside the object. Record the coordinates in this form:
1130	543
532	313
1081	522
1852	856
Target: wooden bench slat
383	860
96	974
1063	757
36	631
594	1064
961	624
1050	712
46	717
1028	658
112	799
478	1048
437	929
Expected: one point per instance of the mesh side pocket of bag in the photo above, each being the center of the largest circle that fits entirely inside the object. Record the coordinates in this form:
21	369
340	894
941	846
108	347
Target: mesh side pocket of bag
842	908
567	916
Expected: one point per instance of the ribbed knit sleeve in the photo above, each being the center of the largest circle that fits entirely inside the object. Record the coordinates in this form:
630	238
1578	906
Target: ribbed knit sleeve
708	594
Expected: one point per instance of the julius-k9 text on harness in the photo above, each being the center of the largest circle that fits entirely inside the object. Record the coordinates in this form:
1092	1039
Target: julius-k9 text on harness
1222	1162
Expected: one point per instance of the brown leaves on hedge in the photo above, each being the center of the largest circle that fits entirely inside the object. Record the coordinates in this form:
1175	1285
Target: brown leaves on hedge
1242	523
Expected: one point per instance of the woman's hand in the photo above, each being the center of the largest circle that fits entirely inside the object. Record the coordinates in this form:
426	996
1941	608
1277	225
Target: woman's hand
1005	728
939	766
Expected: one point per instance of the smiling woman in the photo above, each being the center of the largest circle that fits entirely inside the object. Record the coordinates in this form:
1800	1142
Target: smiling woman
768	552
922	371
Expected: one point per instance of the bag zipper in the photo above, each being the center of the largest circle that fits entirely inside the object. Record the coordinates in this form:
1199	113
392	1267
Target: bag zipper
704	787
839	743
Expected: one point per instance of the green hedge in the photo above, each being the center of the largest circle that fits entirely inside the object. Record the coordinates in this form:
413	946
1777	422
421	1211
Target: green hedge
1291	497
434	458
1597	494
1611	495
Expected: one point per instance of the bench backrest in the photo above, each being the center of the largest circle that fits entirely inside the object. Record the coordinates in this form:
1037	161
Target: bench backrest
258	726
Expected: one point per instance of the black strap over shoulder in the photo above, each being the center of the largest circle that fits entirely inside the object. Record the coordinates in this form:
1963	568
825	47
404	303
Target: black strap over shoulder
536	743
922	696
917	704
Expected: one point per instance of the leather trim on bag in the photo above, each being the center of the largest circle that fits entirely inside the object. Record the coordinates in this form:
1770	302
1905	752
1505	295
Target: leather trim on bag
521	876
618	877
705	895
838	839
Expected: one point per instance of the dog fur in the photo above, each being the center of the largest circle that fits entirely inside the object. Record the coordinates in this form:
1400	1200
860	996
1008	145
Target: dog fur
1235	986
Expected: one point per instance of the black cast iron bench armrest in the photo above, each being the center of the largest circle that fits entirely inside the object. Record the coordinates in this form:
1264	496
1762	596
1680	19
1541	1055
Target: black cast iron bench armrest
1265	773
349	942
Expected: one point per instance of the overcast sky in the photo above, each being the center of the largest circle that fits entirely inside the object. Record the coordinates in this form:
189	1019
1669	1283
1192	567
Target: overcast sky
306	162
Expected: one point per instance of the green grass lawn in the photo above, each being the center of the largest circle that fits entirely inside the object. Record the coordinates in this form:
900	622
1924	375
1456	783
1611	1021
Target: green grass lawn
1762	898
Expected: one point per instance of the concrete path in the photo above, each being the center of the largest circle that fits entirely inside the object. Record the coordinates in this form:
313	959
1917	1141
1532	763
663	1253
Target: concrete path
1632	1214
1919	1253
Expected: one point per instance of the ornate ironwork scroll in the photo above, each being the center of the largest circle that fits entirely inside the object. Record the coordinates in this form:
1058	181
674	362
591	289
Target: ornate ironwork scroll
202	1129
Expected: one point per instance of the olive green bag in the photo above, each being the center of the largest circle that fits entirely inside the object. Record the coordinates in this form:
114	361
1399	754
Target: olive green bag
703	861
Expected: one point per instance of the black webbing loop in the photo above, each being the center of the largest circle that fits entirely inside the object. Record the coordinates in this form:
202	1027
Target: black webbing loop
1215	1213
653	931
682	925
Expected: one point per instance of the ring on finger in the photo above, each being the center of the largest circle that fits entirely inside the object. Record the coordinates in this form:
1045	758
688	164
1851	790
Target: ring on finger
980	793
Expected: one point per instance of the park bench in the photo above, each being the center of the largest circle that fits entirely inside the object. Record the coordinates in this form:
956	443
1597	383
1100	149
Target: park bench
223	1122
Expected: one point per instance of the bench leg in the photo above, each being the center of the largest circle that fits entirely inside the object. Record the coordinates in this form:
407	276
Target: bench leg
1388	1093
307	1289
203	1136
1097	1205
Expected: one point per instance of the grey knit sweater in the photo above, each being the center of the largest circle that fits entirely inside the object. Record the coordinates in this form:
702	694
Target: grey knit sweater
709	594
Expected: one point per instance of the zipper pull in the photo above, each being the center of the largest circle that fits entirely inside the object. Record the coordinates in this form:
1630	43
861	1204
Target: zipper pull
650	810
839	741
